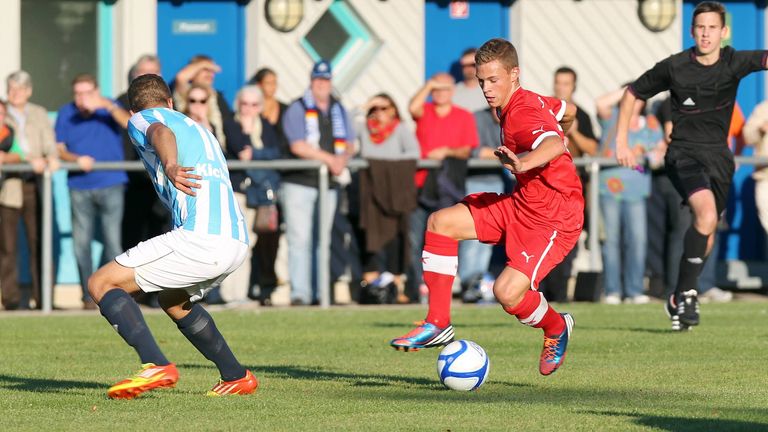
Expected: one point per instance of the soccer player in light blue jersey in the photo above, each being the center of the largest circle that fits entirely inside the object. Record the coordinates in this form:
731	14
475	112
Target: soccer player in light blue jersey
209	240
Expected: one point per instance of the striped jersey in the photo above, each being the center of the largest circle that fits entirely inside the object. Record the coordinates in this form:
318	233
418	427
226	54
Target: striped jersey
214	210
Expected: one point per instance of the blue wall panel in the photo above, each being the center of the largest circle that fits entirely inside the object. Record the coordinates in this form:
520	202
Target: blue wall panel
220	34
446	37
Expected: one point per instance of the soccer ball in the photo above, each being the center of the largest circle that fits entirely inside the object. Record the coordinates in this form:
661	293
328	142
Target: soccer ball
463	365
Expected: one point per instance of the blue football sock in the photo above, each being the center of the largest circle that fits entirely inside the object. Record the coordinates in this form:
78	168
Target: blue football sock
199	328
123	313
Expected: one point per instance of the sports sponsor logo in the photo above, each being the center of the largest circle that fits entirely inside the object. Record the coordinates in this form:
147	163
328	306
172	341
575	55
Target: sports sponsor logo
208	170
527	257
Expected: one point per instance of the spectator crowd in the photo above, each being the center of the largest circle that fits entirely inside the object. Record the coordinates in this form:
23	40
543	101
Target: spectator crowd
377	215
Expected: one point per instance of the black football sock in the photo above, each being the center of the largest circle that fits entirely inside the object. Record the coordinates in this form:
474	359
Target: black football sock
199	328
692	261
125	316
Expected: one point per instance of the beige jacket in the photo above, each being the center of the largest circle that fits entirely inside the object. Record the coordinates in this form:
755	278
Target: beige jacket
755	137
41	140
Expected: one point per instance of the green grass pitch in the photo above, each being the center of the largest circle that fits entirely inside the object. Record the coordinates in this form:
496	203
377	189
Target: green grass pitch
332	370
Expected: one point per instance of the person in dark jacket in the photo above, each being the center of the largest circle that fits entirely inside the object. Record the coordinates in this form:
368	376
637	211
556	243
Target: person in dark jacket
254	138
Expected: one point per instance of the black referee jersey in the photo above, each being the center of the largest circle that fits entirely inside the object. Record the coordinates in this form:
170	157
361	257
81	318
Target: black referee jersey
702	96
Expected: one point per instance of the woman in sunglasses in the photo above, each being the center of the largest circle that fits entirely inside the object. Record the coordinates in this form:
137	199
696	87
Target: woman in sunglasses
387	197
197	107
252	137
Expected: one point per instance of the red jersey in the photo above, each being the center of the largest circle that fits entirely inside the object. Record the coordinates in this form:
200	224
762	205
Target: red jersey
550	193
455	130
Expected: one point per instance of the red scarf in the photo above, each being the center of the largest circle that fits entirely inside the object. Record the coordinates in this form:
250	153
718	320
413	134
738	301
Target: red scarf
378	132
5	131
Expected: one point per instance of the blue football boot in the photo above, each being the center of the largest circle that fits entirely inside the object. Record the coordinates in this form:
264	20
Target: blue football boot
425	335
553	353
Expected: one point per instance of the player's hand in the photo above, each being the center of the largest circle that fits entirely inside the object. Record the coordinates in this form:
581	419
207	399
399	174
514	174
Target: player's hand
439	153
438	85
624	155
509	159
183	179
337	164
246	153
38	165
53	164
85	163
208	64
573	128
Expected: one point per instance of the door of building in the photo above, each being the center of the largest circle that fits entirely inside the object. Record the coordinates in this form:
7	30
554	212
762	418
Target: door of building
215	28
452	27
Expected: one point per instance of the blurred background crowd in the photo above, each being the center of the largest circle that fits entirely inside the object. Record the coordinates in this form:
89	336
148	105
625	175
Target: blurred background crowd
377	215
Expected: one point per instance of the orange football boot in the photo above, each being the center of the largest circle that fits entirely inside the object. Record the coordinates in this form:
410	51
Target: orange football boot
148	378
243	386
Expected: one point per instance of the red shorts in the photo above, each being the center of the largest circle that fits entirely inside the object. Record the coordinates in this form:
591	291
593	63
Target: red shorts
532	248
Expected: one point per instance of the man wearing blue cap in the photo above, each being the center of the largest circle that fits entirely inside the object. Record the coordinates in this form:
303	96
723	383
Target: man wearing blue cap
318	128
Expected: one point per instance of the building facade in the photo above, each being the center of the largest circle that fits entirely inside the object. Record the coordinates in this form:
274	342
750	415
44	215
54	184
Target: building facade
375	46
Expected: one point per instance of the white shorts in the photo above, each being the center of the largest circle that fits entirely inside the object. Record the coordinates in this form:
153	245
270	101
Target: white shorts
183	259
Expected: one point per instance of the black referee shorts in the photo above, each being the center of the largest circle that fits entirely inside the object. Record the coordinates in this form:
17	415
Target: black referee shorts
691	170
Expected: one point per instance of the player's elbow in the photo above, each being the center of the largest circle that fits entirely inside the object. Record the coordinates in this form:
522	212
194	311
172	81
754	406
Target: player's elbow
557	147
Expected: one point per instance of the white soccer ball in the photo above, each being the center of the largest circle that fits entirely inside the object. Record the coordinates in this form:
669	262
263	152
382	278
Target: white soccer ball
463	365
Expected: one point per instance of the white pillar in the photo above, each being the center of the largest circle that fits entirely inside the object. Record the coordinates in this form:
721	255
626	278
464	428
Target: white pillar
10	34
135	34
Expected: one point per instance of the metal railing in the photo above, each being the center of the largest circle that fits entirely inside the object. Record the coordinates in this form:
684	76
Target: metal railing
593	166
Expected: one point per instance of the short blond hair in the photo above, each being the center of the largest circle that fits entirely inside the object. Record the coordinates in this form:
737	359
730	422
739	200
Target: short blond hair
497	49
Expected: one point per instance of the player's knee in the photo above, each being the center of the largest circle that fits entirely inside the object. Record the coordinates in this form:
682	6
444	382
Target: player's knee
436	223
706	221
441	222
509	291
97	286
173	302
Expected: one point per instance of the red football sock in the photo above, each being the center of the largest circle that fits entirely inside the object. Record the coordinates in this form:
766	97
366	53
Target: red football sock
533	310
440	260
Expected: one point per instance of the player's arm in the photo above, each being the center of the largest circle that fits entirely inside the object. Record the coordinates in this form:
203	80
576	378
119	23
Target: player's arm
652	82
757	125
303	150
547	150
118	113
85	162
624	155
164	142
416	106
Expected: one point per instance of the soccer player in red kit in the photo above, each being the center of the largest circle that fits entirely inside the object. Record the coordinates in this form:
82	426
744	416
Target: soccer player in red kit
539	223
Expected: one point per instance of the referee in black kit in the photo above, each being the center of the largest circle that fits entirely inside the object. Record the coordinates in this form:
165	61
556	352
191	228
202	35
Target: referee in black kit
703	81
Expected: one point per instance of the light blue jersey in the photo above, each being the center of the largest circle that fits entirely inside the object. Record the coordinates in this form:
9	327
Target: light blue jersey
214	210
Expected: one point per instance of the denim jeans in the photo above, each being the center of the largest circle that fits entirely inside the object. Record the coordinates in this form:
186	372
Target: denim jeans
625	239
88	205
474	257
300	211
417	226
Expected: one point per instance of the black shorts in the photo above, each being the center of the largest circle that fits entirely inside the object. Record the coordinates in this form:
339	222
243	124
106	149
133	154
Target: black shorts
691	170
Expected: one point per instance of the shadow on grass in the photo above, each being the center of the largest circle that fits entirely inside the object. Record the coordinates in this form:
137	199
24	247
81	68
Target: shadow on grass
356	380
651	330
684	424
45	385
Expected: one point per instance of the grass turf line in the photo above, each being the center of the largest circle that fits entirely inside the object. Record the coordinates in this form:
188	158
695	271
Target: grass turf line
333	370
